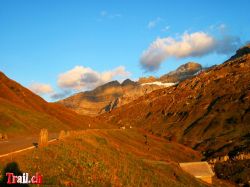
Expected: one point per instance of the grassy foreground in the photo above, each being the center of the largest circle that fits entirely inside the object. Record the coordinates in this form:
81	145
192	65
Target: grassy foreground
108	158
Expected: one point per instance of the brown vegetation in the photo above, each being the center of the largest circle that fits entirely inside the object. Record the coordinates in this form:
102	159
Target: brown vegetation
109	158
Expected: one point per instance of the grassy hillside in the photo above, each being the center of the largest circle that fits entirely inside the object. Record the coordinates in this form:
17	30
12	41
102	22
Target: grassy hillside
109	158
15	119
23	112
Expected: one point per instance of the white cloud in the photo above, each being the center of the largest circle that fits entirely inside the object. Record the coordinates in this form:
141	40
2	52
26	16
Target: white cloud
84	78
40	88
188	45
153	23
106	14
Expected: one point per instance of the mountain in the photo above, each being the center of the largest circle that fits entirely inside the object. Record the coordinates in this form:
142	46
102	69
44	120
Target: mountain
209	112
114	94
22	112
104	98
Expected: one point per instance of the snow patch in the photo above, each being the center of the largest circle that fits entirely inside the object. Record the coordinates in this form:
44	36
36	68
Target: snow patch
198	72
160	83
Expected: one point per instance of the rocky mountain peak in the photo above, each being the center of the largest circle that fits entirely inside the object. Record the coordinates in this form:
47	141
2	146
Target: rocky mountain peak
241	52
244	50
190	67
108	85
128	82
182	72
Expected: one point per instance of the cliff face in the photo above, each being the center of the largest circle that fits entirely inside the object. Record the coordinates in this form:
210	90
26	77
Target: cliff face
209	112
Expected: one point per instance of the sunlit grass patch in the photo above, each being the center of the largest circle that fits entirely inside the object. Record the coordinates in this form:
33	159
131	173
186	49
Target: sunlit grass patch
106	158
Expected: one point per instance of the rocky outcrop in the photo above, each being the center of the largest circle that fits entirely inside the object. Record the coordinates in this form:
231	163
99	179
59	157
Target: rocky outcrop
239	156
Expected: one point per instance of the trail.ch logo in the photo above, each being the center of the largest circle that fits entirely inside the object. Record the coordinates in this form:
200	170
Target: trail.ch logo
23	179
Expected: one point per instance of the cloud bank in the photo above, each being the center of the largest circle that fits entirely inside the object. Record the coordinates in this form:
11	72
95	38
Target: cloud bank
40	88
83	78
195	44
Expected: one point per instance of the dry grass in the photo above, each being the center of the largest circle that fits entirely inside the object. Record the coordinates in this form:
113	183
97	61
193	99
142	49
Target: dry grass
109	158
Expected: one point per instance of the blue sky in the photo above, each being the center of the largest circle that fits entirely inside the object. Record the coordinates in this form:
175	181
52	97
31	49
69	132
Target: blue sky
43	39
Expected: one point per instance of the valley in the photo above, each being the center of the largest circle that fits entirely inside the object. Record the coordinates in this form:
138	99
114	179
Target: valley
134	133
